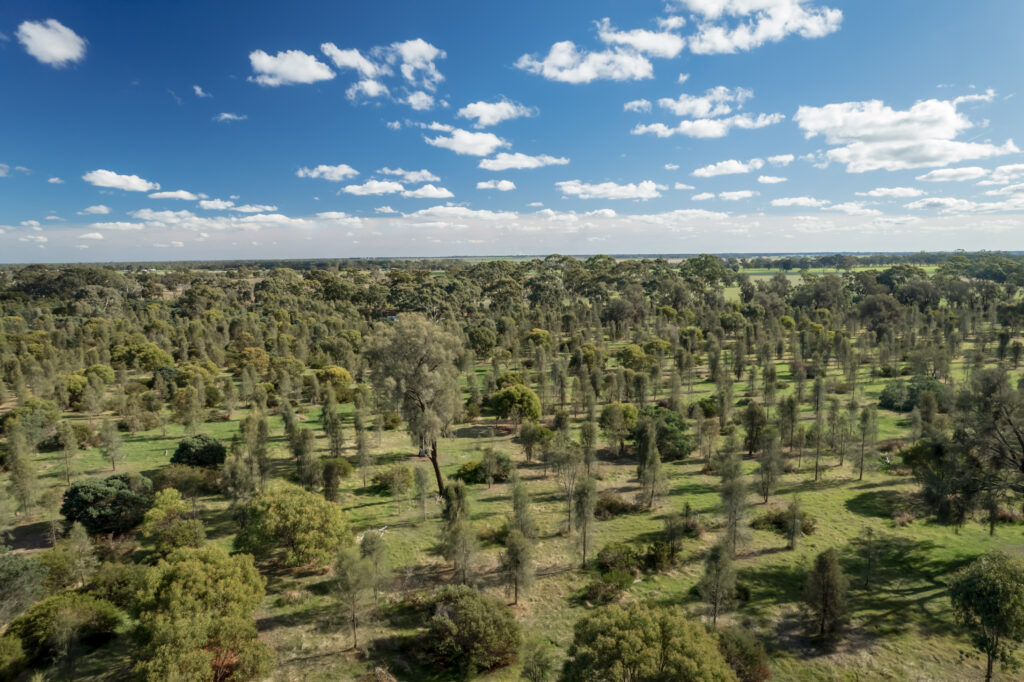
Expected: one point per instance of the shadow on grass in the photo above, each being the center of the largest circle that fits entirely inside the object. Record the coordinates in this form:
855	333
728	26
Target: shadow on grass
879	504
30	536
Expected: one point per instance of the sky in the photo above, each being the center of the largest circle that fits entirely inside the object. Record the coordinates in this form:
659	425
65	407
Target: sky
189	130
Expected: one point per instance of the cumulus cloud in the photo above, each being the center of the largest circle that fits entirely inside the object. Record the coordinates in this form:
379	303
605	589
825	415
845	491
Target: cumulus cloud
98	209
422	175
216	204
354	59
781	159
663	44
717	101
176	194
637	105
467	142
200	92
519	161
225	117
671	166
852	208
51	42
417	59
367	88
803	202
420	101
737	195
681	185
703	196
428	192
500	185
119	226
1002	175
770	179
870	135
709	127
374	187
892	192
729	167
729	26
645	190
567	64
55	181
954	174
287	68
943	204
342	171
91	235
493	113
112	180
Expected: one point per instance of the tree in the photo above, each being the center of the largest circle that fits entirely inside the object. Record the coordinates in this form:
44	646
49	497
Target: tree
196	618
522	513
309	469
113	505
643	643
353	580
769	464
618	420
516	402
71	561
308	529
988	600
470	632
200	451
517	563
532	436
111	443
588	441
373	549
421	478
458	542
539	662
584	502
69	447
21	582
794	523
167	522
649	469
733	494
868	429
413	364
23	484
717	587
567	460
825	594
754	422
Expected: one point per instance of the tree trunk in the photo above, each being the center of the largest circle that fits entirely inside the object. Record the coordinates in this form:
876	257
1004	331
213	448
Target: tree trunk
988	669
437	467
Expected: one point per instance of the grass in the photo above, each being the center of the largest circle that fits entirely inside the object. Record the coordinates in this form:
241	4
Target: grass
900	626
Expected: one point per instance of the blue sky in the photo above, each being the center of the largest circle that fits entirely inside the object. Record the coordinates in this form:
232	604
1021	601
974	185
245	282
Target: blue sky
194	130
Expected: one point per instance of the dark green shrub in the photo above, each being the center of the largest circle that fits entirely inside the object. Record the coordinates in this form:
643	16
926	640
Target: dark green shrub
12	657
904	396
115	504
473	472
118	583
190	481
470	632
96	621
610	504
744	654
607	587
395	480
777	520
618	556
200	451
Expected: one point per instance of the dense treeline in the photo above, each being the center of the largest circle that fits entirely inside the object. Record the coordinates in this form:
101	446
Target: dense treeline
284	377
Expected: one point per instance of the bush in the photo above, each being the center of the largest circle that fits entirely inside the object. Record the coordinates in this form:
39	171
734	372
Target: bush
618	556
396	480
610	504
200	451
607	587
904	396
471	632
96	621
744	654
190	481
119	583
308	529
114	505
12	657
473	472
778	520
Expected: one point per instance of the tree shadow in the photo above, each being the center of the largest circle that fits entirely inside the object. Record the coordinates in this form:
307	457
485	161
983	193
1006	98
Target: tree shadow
879	504
30	536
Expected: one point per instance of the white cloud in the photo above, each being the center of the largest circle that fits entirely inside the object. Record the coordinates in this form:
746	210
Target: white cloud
466	142
91	235
655	44
852	208
703	196
500	185
200	92
770	179
944	204
385	210
216	204
176	194
51	42
671	166
645	190
119	226
804	202
340	218
1002	175
420	101
411	176
781	160
736	196
714	102
756	22
394	125
55	181
710	127
128	183
519	161
681	185
353	59
954	174
34	238
565	63
254	208
225	116
417	67
287	68
373	187
428	192
367	88
34	224
337	173
892	192
671	23
98	209
493	113
5	170
729	167
870	136
637	105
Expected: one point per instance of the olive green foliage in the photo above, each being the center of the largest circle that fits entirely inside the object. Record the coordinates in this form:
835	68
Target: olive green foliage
517	402
470	632
643	643
395	480
21	582
293	525
988	600
43	629
200	451
196	618
169	524
115	504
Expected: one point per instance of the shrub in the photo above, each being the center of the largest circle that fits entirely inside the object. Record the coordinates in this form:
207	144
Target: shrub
12	657
471	632
744	654
190	481
607	587
903	518
200	451
618	556
777	520
473	472
610	504
114	505
96	621
118	583
396	480
904	396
